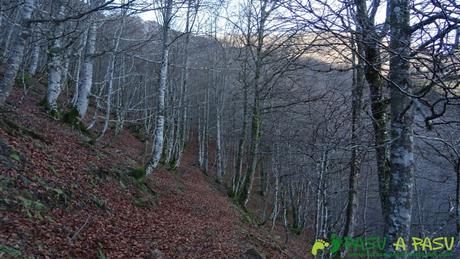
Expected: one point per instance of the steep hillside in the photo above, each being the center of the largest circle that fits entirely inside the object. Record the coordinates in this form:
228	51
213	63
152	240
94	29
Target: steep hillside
63	197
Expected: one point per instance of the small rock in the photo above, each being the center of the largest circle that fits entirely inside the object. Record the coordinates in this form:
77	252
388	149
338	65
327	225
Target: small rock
157	254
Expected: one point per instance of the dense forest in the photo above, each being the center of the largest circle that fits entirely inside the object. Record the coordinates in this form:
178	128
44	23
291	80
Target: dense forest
229	129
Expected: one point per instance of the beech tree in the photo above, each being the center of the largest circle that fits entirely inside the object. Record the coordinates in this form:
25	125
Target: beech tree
17	51
55	63
167	9
86	81
261	19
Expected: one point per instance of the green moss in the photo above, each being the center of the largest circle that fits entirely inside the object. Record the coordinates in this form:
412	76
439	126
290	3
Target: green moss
230	193
43	103
251	218
16	129
138	173
72	117
32	208
27	78
143	202
55	113
53	195
92	141
172	165
10	252
23	79
100	252
240	199
247	216
15	156
100	203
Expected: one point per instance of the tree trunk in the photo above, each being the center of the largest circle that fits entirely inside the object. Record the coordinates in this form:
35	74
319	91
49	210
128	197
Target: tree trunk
402	158
457	211
84	88
97	106
276	187
34	56
285	219
55	65
241	144
119	101
200	141
171	125
65	75
357	99
244	193
110	75
17	53
321	197
78	67
205	136
264	179
160	118
13	30
220	86
220	169
371	47
237	179
183	94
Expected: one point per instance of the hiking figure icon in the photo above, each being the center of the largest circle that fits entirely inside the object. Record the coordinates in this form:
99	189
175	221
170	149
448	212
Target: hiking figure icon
319	245
336	244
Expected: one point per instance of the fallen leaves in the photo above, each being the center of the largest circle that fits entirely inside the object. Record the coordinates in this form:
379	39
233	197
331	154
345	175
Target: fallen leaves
98	215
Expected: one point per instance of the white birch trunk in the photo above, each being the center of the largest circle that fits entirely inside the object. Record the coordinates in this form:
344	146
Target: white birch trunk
1	16
183	96
84	88
110	75
285	220
17	52
119	101
96	109
108	107
200	143
55	65
237	179
402	118
78	67
65	75
13	30
170	125
220	169
274	161
320	198
205	135
34	57
355	163
160	118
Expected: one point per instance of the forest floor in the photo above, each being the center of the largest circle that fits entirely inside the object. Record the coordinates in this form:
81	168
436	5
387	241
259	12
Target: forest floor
63	197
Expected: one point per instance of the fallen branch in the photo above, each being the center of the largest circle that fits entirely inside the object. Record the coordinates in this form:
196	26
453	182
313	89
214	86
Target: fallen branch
75	235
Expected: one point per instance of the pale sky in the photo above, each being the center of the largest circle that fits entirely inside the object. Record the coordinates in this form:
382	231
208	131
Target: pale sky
231	12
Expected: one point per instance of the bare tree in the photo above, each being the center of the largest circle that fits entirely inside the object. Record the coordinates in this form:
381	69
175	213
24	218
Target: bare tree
160	116
17	53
